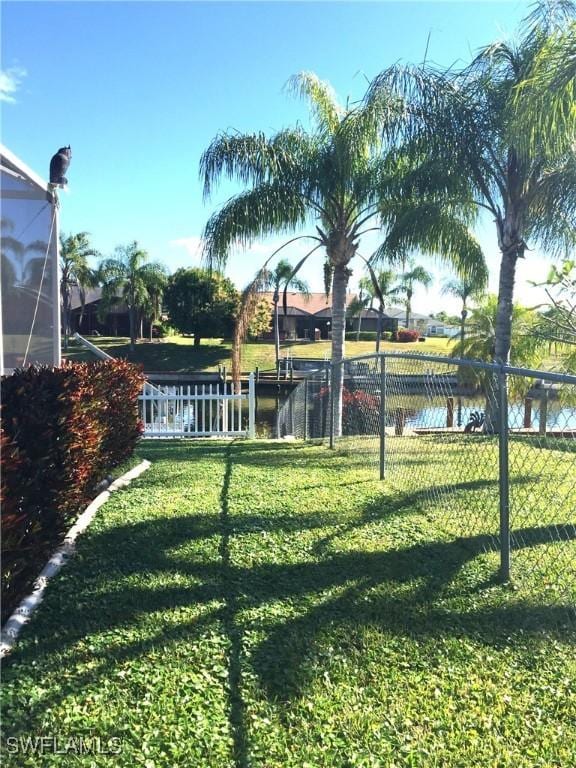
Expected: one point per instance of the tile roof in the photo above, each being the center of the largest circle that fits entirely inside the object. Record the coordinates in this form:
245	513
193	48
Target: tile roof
309	305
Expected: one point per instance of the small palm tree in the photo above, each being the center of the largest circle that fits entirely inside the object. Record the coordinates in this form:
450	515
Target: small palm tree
358	304
415	275
465	290
380	286
75	272
282	276
155	281
528	347
128	278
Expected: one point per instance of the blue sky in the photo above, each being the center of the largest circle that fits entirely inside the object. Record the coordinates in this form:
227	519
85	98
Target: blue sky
140	89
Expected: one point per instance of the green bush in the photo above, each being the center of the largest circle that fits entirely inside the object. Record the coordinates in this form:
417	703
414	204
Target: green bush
62	431
368	336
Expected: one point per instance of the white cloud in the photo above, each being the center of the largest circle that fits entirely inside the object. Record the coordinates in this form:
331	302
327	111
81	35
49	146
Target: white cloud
10	80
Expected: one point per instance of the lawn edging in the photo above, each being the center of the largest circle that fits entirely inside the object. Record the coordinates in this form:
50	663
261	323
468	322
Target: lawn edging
25	609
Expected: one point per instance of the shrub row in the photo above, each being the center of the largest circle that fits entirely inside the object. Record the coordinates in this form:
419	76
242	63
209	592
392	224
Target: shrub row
62	431
402	335
368	336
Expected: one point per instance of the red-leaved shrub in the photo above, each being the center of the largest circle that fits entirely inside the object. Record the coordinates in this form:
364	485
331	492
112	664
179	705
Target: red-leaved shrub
406	335
62	430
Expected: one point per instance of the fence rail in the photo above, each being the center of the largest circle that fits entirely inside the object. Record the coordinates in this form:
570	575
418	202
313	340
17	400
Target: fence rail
489	449
201	410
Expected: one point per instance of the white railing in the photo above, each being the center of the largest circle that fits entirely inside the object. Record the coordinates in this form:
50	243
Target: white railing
201	410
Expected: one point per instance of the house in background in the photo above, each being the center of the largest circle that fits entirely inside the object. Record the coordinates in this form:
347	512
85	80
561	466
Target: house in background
440	329
310	317
86	321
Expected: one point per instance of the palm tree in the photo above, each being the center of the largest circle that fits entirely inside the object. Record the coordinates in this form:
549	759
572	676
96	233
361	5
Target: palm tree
458	130
75	271
464	289
155	281
332	178
358	304
128	278
416	275
528	347
380	286
282	275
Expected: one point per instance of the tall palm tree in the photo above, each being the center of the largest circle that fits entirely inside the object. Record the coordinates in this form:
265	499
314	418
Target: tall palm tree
457	128
282	276
415	275
332	179
75	272
127	277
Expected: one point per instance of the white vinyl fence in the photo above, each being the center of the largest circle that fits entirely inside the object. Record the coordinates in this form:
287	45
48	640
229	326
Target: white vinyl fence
217	409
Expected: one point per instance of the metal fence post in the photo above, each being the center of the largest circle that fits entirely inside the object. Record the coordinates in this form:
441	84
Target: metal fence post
251	407
382	415
331	406
306	408
504	478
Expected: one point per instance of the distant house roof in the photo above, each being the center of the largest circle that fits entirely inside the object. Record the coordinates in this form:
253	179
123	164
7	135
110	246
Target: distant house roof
93	296
320	305
317	304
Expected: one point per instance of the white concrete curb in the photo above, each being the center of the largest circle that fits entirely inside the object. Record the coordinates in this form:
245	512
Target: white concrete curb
28	605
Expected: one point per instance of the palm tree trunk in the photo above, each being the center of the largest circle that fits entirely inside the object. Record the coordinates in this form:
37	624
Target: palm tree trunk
66	320
276	331
339	286
408	308
359	325
379	327
503	329
463	315
132	319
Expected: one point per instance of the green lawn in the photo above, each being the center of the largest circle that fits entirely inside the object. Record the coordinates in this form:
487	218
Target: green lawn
273	605
178	353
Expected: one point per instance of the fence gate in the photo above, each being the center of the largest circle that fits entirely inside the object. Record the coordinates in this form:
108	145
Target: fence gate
199	410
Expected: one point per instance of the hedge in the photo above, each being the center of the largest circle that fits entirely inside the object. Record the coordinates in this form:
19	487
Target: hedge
368	335
62	431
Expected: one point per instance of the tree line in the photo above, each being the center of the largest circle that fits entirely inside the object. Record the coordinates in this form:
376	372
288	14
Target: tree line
195	299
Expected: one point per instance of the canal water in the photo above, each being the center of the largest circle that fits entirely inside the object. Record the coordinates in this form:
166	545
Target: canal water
424	412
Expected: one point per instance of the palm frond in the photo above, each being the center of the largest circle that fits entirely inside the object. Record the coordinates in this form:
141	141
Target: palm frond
429	229
321	97
266	210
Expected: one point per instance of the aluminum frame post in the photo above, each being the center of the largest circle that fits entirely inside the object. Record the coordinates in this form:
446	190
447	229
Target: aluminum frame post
503	477
382	416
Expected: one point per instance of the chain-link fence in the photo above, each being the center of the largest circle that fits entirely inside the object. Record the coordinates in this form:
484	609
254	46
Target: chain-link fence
490	450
